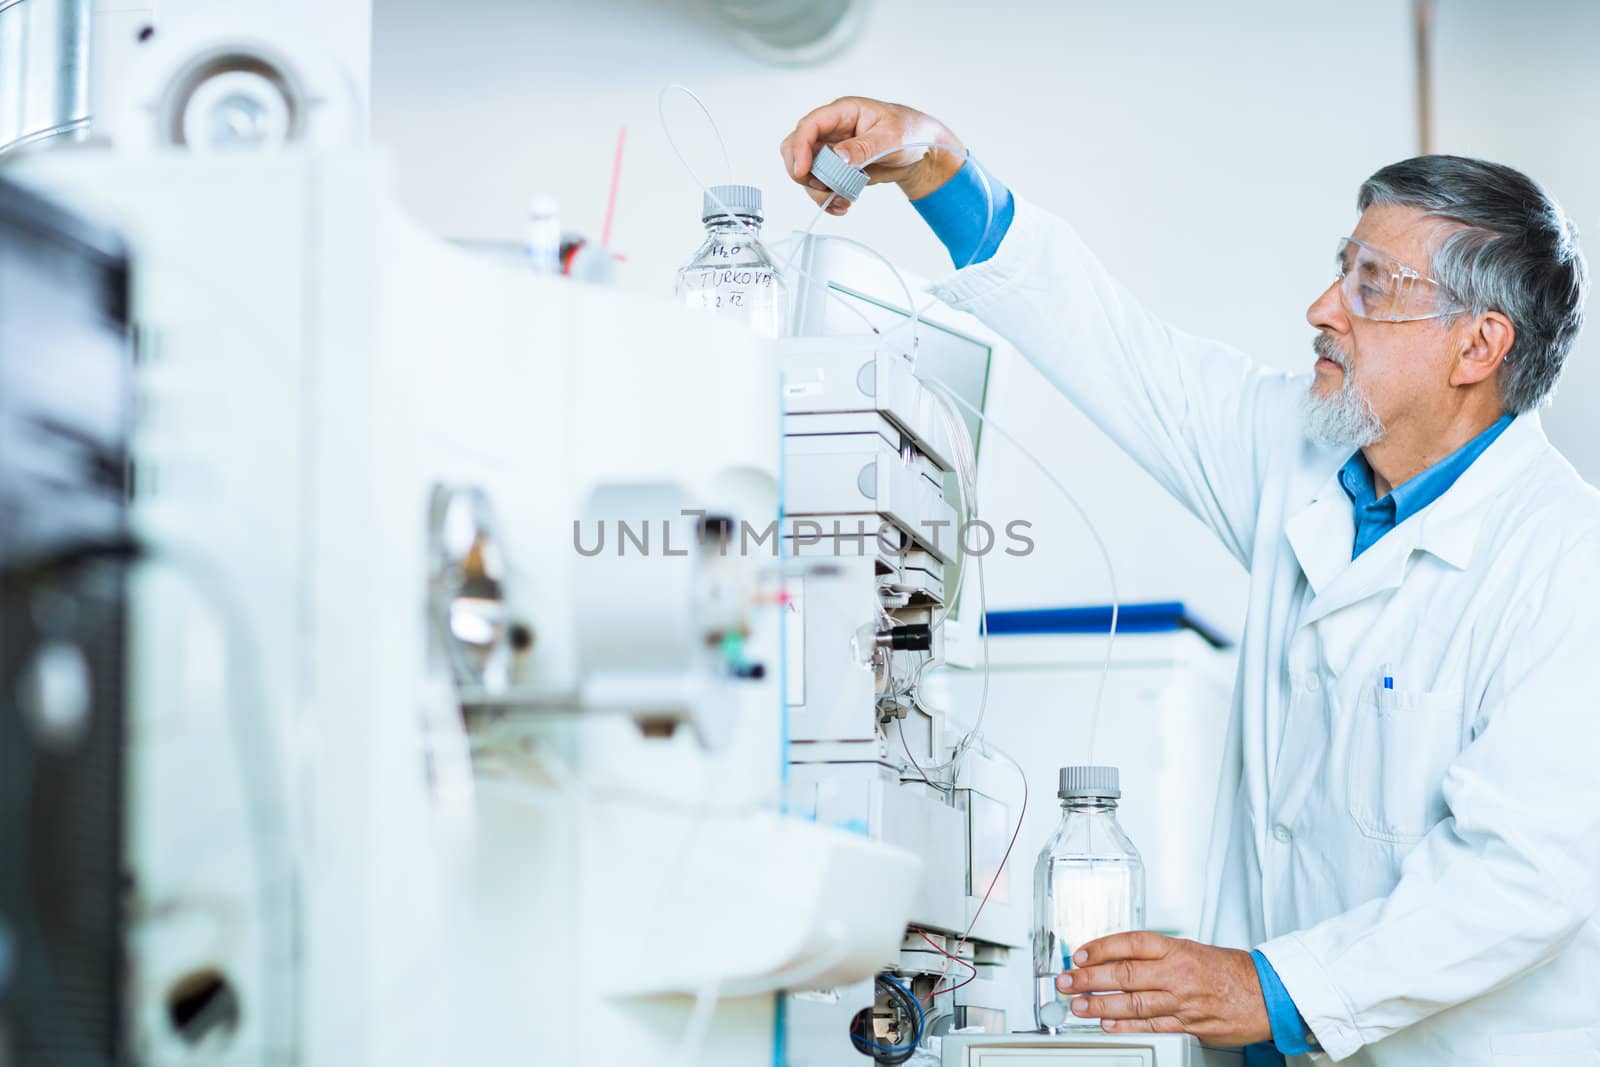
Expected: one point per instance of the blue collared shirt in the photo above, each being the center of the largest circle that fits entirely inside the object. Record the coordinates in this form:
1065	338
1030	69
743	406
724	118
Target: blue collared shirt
1376	517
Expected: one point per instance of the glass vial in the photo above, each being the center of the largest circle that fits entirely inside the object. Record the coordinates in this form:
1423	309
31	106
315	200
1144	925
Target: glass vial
544	236
1089	882
732	274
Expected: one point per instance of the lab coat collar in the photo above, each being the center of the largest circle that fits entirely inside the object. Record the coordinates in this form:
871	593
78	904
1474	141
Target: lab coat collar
1322	532
1451	526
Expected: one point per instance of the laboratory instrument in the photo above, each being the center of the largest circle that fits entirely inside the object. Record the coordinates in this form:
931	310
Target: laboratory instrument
466	743
44	78
1088	882
65	412
438	734
1087	1049
873	512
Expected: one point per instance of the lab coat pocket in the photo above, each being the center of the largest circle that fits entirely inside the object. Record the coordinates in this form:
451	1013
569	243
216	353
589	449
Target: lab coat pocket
1399	753
1562	1048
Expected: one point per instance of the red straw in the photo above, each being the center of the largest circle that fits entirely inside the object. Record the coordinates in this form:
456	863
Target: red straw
616	179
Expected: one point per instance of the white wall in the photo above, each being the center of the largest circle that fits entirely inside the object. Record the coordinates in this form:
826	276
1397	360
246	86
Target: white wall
1520	84
1211	154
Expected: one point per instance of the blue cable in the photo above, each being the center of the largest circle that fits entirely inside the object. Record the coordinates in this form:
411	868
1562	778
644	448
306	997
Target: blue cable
864	1043
916	1038
921	1019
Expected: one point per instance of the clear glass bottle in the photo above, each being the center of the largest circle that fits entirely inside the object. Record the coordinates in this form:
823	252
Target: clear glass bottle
1089	882
732	275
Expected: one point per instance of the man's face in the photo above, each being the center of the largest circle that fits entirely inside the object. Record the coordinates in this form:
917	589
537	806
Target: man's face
1370	374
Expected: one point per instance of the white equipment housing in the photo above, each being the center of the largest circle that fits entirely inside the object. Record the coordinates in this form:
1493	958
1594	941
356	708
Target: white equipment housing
415	775
1087	1050
872	511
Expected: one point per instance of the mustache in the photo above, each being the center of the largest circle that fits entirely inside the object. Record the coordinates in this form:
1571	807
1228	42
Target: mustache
1323	346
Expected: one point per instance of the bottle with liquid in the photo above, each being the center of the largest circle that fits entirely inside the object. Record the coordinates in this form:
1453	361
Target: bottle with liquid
544	236
1089	882
732	275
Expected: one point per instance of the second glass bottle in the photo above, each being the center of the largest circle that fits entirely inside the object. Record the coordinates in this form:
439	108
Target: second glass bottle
1089	882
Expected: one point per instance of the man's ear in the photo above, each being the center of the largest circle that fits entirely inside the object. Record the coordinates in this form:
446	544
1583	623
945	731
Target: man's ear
1485	345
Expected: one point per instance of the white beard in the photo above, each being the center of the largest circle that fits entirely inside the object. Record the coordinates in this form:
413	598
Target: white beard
1345	419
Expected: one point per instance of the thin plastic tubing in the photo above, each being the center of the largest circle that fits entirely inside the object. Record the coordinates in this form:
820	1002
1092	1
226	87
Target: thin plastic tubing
914	318
1094	532
666	130
698	1027
879	256
914	313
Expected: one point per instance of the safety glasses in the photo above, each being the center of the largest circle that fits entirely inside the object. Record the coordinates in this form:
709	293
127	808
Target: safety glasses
1377	286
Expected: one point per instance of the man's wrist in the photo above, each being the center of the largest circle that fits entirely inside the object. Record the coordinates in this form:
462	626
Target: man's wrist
1290	1033
936	167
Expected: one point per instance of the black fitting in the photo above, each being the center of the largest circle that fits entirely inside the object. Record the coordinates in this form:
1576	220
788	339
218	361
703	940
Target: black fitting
914	638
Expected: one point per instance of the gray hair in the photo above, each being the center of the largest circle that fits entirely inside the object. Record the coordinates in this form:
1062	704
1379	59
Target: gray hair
1516	253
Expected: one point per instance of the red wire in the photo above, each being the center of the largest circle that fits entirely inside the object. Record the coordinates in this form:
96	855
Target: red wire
998	871
616	180
1021	816
937	992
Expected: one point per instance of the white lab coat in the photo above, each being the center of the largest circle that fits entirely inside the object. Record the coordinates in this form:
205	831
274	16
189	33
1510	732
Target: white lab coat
1425	878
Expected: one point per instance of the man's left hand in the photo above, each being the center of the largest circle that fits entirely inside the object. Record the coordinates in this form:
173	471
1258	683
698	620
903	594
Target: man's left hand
1166	985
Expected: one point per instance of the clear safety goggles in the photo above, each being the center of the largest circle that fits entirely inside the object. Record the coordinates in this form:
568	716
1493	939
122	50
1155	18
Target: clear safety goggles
1377	286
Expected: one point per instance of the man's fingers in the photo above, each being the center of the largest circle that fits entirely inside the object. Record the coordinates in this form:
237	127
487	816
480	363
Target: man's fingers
1134	945
1144	1005
1164	1025
838	206
857	150
1119	976
828	123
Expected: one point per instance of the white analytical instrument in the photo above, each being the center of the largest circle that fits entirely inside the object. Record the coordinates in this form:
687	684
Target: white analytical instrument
414	774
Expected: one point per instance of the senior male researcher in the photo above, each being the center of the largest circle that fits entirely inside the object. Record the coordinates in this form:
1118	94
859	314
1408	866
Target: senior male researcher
1405	866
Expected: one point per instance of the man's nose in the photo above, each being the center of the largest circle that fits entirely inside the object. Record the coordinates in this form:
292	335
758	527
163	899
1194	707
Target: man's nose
1327	311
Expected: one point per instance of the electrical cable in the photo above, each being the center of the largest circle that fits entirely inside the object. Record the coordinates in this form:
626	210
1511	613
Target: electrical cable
973	967
999	869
